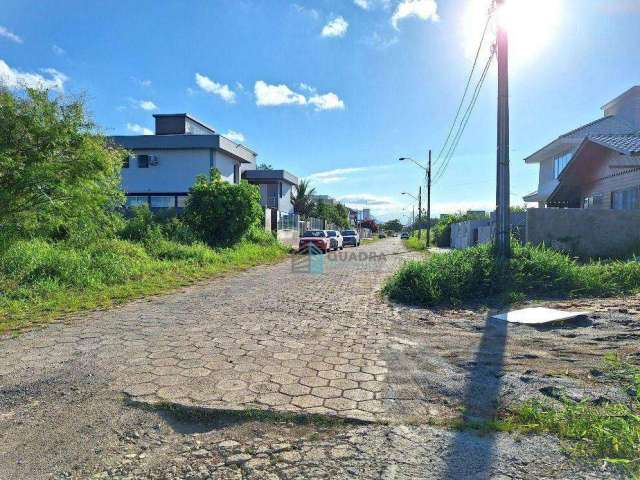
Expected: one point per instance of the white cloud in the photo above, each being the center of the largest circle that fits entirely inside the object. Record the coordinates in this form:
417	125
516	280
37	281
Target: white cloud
328	101
147	105
377	203
135	128
9	35
381	42
423	9
234	136
335	28
12	78
58	50
273	95
209	86
341	174
364	4
312	12
308	88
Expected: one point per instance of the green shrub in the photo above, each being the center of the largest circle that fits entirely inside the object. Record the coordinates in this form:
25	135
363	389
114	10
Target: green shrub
141	225
59	177
474	274
222	213
167	250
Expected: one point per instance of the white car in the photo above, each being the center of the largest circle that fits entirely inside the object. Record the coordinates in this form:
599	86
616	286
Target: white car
337	242
350	237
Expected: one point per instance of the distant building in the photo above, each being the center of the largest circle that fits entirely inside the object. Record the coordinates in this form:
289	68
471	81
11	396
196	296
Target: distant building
164	166
323	199
366	214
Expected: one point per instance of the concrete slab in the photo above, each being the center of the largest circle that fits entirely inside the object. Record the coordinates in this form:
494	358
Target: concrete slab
538	316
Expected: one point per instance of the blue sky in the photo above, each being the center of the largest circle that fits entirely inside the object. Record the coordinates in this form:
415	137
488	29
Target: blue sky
334	90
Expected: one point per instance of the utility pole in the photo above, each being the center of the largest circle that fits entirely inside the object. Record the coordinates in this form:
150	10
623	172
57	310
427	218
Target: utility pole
429	202
413	218
420	212
503	246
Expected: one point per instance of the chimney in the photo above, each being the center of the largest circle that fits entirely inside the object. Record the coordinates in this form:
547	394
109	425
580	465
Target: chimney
180	124
626	107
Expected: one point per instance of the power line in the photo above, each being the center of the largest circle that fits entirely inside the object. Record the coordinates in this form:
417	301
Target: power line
466	88
465	120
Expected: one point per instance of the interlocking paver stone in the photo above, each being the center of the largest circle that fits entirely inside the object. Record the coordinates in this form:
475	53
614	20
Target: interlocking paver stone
267	337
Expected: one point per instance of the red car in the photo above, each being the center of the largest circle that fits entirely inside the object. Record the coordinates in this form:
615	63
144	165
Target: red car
317	238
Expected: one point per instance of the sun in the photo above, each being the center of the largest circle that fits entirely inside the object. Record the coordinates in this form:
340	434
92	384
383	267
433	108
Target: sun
532	26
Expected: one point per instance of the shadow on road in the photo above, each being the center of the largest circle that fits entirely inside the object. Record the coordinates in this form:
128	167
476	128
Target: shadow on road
470	456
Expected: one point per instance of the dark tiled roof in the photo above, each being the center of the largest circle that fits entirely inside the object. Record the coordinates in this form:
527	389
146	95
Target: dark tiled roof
626	144
604	125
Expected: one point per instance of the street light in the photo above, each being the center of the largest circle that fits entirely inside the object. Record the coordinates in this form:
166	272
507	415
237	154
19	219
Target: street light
427	170
412	196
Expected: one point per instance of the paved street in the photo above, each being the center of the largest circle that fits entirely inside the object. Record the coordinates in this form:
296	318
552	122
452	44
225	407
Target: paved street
269	338
277	340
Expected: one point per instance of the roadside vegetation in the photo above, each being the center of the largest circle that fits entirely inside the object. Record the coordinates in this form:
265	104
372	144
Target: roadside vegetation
473	274
66	244
415	243
600	431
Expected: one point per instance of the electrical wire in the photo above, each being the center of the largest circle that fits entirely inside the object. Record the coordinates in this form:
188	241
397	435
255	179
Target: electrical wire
465	120
466	88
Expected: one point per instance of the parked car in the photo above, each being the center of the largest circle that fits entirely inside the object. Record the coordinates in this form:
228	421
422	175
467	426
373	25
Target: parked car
317	238
350	237
404	236
382	235
336	239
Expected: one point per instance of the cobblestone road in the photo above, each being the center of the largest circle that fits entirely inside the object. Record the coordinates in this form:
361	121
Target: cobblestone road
269	338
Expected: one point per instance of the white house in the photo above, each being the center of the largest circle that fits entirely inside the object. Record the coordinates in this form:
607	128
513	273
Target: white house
620	125
164	166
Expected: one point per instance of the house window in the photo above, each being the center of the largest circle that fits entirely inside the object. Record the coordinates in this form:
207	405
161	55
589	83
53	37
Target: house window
143	161
181	201
628	199
236	173
560	162
596	200
135	200
162	201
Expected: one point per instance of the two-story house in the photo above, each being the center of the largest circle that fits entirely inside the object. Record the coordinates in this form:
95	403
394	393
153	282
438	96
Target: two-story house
164	166
596	165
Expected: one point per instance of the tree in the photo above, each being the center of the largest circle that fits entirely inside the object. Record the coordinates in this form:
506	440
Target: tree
264	166
301	199
393	225
58	176
222	213
370	224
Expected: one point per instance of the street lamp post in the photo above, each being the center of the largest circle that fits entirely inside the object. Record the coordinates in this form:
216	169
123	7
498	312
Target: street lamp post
427	170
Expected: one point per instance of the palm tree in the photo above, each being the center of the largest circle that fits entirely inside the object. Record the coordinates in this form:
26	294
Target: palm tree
301	199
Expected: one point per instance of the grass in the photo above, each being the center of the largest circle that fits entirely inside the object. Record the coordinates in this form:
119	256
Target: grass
473	274
608	432
413	243
42	280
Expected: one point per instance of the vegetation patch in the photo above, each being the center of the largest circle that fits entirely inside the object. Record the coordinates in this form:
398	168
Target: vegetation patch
67	243
415	243
41	280
474	274
602	431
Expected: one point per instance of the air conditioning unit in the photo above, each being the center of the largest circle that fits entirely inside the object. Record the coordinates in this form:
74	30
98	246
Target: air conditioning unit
153	160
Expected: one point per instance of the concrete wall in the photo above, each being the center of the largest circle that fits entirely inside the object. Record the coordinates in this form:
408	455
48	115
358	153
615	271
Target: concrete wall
176	170
289	237
585	233
462	233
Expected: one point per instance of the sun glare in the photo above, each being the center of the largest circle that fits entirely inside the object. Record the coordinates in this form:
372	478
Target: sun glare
532	26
